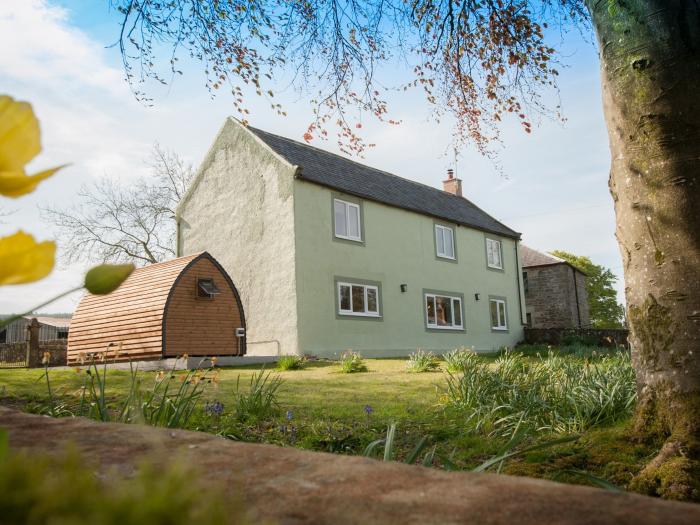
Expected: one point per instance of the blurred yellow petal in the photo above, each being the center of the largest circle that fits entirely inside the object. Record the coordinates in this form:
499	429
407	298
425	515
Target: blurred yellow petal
23	260
17	183
20	139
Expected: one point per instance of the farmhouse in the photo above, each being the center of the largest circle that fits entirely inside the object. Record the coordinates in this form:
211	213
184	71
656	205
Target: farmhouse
184	306
329	254
555	291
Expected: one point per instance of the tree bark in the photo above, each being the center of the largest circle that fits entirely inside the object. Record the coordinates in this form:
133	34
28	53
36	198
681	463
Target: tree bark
650	68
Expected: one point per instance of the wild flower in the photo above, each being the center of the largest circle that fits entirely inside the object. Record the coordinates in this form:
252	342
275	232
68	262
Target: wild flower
214	360
214	409
368	410
289	415
46	358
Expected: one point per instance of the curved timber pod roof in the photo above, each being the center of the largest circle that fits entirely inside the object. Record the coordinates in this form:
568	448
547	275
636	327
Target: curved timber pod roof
160	311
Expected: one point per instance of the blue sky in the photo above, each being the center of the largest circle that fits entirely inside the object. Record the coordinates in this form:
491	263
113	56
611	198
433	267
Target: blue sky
55	56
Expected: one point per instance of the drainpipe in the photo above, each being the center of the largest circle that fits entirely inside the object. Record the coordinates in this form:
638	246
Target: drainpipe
578	310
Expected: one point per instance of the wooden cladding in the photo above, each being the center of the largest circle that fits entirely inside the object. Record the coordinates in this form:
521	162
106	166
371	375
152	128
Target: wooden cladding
156	313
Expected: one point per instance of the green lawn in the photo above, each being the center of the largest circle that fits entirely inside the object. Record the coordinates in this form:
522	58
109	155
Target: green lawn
322	409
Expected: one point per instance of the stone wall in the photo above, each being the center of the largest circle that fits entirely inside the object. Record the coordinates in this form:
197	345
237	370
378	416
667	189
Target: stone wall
591	336
555	297
14	355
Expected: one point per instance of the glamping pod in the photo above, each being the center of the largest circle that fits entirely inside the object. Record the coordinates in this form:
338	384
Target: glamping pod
185	306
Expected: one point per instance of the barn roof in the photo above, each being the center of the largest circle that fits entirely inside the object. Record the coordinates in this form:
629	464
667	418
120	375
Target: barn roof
530	258
136	307
58	322
331	170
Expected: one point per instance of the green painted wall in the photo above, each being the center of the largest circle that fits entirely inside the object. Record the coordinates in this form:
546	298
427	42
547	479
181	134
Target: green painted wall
398	248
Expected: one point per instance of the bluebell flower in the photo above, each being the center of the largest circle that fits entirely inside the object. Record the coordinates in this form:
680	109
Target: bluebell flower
214	409
368	410
289	415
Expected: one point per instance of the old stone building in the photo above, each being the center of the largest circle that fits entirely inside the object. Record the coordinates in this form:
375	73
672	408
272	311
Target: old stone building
555	291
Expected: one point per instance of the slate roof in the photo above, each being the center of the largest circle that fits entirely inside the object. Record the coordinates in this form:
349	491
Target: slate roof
530	258
334	171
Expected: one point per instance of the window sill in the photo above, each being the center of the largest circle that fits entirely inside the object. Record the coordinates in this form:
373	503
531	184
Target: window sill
448	328
353	239
502	329
446	257
357	314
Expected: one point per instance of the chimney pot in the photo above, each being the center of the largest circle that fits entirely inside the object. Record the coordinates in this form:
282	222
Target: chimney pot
450	173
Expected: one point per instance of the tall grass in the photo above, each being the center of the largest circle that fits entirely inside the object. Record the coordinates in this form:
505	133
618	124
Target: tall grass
550	393
458	359
352	362
290	362
421	361
260	401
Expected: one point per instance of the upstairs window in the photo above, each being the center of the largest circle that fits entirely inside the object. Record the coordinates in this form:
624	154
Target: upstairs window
358	299
498	314
443	312
206	288
444	242
347	220
494	258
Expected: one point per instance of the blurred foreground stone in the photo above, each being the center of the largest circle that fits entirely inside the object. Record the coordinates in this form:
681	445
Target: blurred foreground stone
290	486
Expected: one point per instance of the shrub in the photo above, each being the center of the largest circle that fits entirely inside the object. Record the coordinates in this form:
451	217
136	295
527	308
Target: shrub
551	393
61	488
260	401
352	362
290	362
420	361
459	359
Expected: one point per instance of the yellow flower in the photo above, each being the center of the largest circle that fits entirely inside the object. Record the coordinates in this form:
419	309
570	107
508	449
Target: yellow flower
23	260
19	144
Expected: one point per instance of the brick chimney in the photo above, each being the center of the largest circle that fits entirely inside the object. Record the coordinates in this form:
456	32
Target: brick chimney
451	184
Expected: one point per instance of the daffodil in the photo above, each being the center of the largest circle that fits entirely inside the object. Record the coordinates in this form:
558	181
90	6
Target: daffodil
19	143
23	260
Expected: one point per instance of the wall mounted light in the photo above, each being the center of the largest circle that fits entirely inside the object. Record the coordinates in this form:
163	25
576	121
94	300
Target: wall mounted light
476	296
404	287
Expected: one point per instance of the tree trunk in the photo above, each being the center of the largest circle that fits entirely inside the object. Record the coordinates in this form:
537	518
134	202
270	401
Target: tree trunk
650	68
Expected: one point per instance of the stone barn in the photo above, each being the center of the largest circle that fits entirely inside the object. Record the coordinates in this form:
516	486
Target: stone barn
188	305
555	291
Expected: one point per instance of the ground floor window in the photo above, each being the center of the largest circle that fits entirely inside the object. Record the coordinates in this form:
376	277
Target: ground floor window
443	312
358	299
498	314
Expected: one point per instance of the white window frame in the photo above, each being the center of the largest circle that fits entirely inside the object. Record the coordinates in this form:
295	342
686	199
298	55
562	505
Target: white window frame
440	229
494	242
366	313
348	205
435	325
502	322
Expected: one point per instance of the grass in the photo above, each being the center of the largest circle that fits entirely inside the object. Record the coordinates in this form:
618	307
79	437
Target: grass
321	409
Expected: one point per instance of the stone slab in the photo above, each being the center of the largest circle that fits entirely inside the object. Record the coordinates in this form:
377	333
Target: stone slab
291	486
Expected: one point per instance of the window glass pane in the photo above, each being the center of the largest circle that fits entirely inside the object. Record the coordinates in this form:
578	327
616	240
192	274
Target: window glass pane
430	306
358	298
494	314
372	300
341	227
353	222
449	243
443	312
440	241
502	314
344	297
457	305
497	253
489	252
